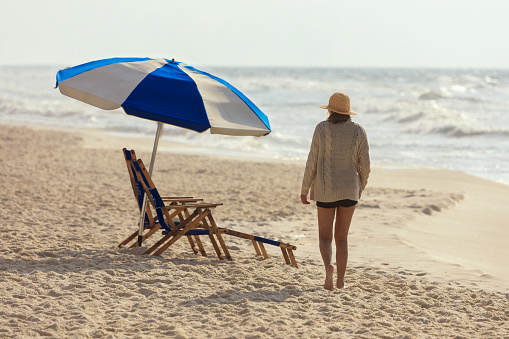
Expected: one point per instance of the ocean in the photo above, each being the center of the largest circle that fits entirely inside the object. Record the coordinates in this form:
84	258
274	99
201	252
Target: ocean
456	119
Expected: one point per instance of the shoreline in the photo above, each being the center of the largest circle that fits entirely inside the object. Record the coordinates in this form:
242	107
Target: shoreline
96	138
68	204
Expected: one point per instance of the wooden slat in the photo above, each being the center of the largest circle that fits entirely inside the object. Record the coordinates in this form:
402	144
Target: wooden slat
179	234
288	246
255	245
200	245
134	235
158	243
262	248
183	207
292	258
168	236
216	247
240	234
285	255
225	248
213	227
191	242
206	226
147	235
172	200
128	239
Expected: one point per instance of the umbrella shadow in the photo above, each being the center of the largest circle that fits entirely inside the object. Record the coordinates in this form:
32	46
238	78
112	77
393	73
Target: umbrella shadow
132	259
66	261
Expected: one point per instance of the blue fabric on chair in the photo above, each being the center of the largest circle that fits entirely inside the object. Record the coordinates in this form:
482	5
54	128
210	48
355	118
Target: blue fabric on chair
137	188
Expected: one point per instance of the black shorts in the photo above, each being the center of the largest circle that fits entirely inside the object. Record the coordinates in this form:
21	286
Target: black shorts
335	204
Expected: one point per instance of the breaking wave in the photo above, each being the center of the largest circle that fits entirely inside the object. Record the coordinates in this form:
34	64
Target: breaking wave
416	116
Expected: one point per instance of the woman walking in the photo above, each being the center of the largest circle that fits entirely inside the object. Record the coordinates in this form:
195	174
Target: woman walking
336	173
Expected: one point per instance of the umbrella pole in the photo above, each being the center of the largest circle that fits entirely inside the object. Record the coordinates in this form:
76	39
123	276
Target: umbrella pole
150	169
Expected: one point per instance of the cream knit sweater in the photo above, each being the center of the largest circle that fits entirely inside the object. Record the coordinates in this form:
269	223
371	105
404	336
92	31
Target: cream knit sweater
338	162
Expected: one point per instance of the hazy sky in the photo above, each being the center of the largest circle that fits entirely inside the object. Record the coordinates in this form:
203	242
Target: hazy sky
313	33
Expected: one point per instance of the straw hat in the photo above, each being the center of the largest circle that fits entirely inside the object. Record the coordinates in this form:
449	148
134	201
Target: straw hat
339	103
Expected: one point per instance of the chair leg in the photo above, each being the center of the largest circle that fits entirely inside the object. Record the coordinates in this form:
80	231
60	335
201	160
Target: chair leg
147	235
191	242
133	236
212	226
200	245
215	230
262	248
128	239
206	226
216	247
255	245
223	245
287	259
292	258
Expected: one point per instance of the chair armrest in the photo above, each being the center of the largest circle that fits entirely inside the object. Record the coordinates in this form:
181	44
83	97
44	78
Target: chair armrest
168	199
183	207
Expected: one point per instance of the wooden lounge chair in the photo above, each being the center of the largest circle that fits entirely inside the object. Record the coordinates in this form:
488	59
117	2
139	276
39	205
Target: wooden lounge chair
194	219
151	223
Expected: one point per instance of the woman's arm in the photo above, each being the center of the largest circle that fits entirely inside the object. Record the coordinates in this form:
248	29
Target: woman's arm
311	164
363	164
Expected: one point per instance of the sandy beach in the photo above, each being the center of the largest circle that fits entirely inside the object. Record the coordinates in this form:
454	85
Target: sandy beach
428	253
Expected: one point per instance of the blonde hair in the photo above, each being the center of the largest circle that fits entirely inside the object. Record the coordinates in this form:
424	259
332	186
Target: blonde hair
336	118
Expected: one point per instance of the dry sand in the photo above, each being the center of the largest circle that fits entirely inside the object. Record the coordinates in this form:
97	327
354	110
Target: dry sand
427	250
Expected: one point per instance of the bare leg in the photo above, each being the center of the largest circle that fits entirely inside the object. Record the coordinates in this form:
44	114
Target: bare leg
343	220
325	223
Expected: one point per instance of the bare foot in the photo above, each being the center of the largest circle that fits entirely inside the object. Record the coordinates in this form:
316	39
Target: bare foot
340	284
329	276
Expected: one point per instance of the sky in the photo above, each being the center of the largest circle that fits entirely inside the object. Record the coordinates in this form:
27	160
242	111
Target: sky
282	33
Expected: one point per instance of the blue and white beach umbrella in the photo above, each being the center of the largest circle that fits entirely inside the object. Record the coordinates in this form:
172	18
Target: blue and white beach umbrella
167	92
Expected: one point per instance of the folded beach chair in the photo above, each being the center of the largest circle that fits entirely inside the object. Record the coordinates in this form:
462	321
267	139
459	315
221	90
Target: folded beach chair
193	219
151	223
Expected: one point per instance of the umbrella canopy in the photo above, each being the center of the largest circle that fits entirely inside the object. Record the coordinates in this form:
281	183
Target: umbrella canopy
165	91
